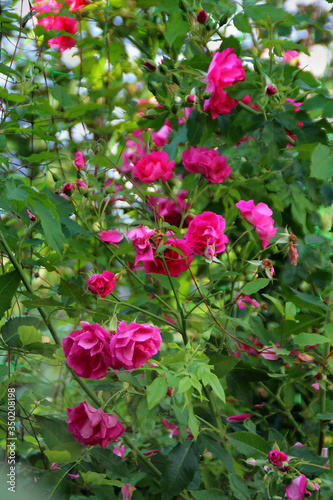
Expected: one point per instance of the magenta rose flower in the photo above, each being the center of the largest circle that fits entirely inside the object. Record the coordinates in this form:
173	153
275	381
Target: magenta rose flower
82	186
260	217
239	418
102	284
224	70
175	262
160	137
88	350
68	188
80	161
297	488
208	162
134	344
154	166
90	426
140	240
276	457
62	23
171	211
134	151
205	235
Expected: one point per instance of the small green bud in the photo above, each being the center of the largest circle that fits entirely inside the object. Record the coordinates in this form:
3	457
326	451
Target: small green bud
224	19
206	95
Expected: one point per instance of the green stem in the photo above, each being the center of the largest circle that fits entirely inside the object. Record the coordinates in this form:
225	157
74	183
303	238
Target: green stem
180	309
286	410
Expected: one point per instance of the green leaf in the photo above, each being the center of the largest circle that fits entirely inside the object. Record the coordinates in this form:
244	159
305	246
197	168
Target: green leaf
51	227
310	339
109	461
255	285
249	444
62	95
223	364
193	422
194	129
3	142
239	487
165	282
28	335
9	330
175	27
97	478
322	163
53	431
59	457
206	442
181	464
156	392
9	283
276	302
329	330
210	494
217	387
72	290
241	22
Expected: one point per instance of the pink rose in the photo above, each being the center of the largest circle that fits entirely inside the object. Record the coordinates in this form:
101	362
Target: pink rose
111	236
127	491
270	90
82	186
102	284
241	299
295	104
224	70
202	16
269	353
140	240
276	457
134	344
155	166
207	162
49	6
239	418
68	188
260	217
171	211
61	23
77	4
88	350
61	42
175	262
296	489
205	232
160	137
80	161
292	57
90	426
119	450
133	151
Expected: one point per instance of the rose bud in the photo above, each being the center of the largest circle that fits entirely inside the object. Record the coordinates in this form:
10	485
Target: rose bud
202	16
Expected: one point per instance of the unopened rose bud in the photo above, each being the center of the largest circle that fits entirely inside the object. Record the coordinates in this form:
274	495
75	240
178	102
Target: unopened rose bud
68	188
118	276
206	95
149	66
311	486
202	16
170	391
190	98
271	90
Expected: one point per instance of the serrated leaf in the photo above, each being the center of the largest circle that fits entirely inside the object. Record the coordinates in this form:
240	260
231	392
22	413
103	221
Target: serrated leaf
9	331
51	226
180	467
210	494
175	27
156	392
322	162
53	431
9	283
223	364
109	461
28	335
255	285
239	487
310	339
249	444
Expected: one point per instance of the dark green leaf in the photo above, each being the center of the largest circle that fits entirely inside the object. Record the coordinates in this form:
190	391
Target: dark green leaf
249	444
181	464
175	26
255	285
156	391
62	95
9	330
239	487
53	431
322	163
9	283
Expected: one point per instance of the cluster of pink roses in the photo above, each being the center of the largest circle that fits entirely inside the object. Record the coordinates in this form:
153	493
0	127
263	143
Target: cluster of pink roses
60	23
92	350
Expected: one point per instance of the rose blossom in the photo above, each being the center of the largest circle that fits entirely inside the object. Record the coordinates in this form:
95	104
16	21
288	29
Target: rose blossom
80	161
68	188
171	211
140	240
276	457
260	217
296	489
202	16
77	4
127	491
224	70
88	350
207	162
241	299
292	57
111	236
119	450
102	284
134	344
160	137
154	166
175	262
61	23
205	232
239	418
90	426
81	185
133	151
48	6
